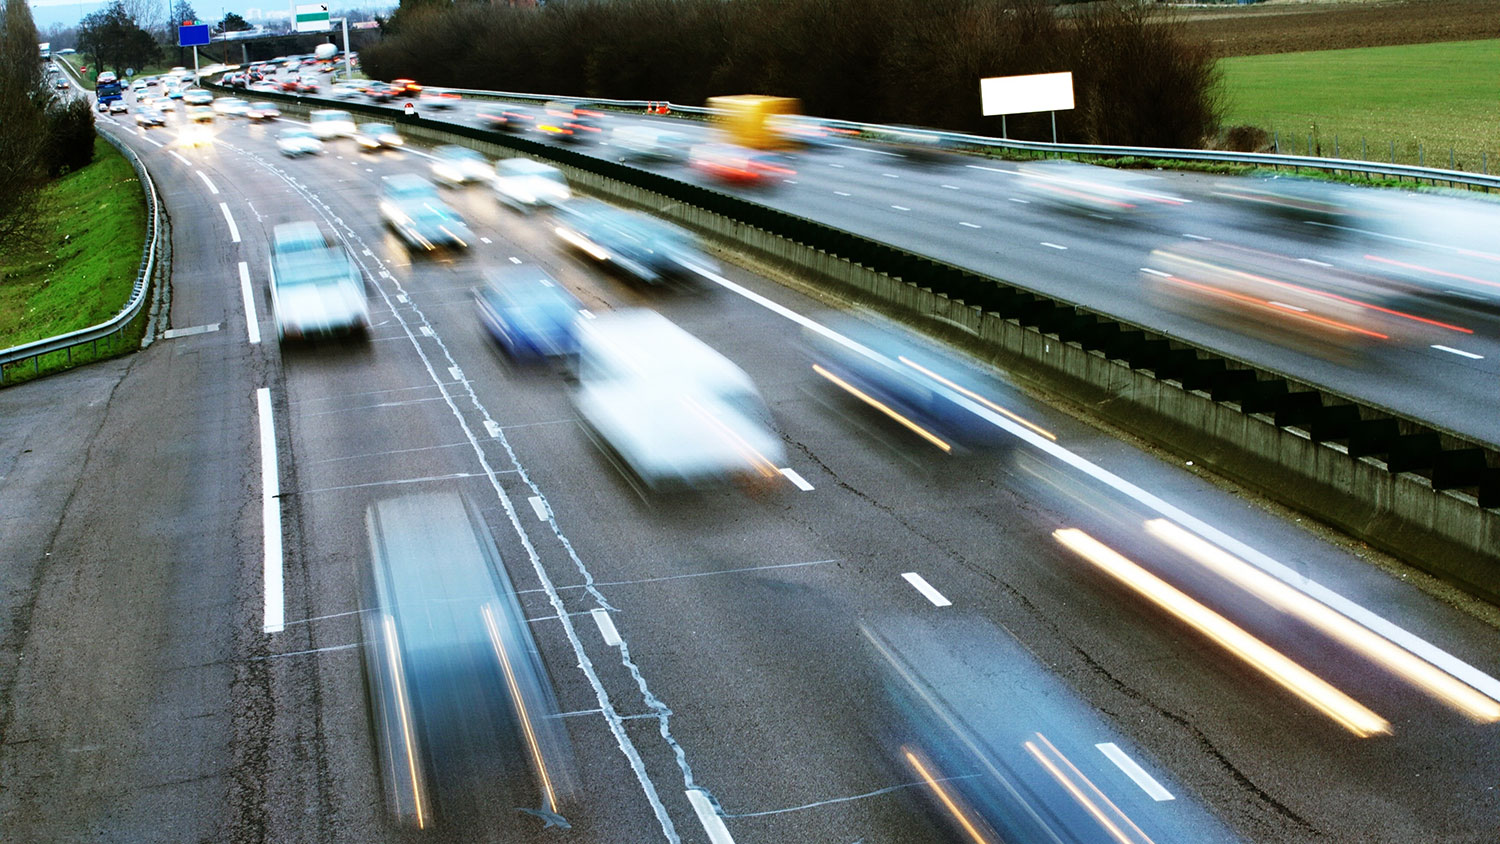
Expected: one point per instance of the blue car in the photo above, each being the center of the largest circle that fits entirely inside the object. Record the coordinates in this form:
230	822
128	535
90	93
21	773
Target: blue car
528	312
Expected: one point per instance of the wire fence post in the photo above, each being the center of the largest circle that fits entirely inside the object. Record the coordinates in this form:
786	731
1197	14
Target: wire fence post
1451	165
1276	139
1335	146
1364	148
1393	152
1421	155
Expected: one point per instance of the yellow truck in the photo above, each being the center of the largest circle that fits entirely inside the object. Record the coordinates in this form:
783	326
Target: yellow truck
755	121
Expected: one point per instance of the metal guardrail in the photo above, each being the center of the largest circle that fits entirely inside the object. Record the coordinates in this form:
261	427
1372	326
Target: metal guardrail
1254	159
113	328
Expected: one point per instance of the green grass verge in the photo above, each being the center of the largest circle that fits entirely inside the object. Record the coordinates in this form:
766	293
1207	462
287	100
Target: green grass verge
82	270
1419	99
75	61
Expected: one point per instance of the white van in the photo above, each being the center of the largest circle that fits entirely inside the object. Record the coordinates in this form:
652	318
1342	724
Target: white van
331	123
671	412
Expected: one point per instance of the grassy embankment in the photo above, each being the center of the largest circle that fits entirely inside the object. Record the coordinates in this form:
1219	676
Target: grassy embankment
1421	98
82	270
74	61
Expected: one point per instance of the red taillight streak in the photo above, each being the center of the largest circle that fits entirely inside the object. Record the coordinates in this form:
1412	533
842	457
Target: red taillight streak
1268	305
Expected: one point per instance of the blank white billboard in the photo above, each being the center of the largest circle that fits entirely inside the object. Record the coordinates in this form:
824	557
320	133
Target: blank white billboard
1025	94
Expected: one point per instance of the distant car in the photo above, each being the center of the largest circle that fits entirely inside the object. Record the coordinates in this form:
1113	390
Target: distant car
200	114
316	288
505	118
638	245
460	701
648	143
197	96
298	141
377	136
263	111
406	86
118	107
525	183
331	123
164	104
231	106
152	80
420	217
437	102
174	92
528	312
138	87
380	92
148	117
344	91
739	165
61	84
668	410
456	165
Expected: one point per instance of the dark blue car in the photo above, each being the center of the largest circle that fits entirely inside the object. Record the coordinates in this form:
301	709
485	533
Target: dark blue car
528	312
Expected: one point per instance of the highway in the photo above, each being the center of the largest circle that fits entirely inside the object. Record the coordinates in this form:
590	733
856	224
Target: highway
183	530
980	215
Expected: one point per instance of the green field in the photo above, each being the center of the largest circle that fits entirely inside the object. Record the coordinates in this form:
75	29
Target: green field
81	271
1423	98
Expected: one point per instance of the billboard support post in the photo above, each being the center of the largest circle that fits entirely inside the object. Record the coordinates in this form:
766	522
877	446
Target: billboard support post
1004	95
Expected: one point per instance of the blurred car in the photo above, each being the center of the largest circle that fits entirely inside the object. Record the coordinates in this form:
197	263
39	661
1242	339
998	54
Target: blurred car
344	91
528	312
232	106
331	123
377	136
138	87
526	183
200	114
405	186
380	92
316	288
917	145
1090	188
164	103
148	117
807	132
298	141
739	165
505	118
422	219
648	143
1291	198
118	107
437	102
174	92
568	123
197	96
263	111
669	411
456	165
61	84
405	87
464	717
946	402
641	246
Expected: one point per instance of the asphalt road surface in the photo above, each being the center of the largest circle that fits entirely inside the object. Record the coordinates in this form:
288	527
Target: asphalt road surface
167	675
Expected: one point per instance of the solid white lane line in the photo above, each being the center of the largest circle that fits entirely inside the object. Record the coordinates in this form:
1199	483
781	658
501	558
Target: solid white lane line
920	583
1133	770
1196	237
252	322
1054	245
712	823
1417	645
175	154
234	231
991	169
211	188
796	479
1155	272
1460	352
900	208
270	490
970	225
841	193
539	507
606	627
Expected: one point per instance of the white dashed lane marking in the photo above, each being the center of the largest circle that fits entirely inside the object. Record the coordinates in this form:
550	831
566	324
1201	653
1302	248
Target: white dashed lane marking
920	584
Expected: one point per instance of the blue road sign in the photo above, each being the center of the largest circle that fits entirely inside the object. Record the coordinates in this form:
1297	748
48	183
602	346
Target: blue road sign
193	36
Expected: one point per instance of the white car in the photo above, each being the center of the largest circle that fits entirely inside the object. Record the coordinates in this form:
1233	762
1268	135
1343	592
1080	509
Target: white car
331	123
298	141
377	136
232	106
316	288
456	165
345	91
197	96
667	409
263	111
118	107
526	183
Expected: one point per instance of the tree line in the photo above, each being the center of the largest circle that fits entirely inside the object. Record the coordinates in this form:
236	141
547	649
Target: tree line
1138	80
41	135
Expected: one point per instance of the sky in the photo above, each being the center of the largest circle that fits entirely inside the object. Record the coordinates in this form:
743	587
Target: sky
68	12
